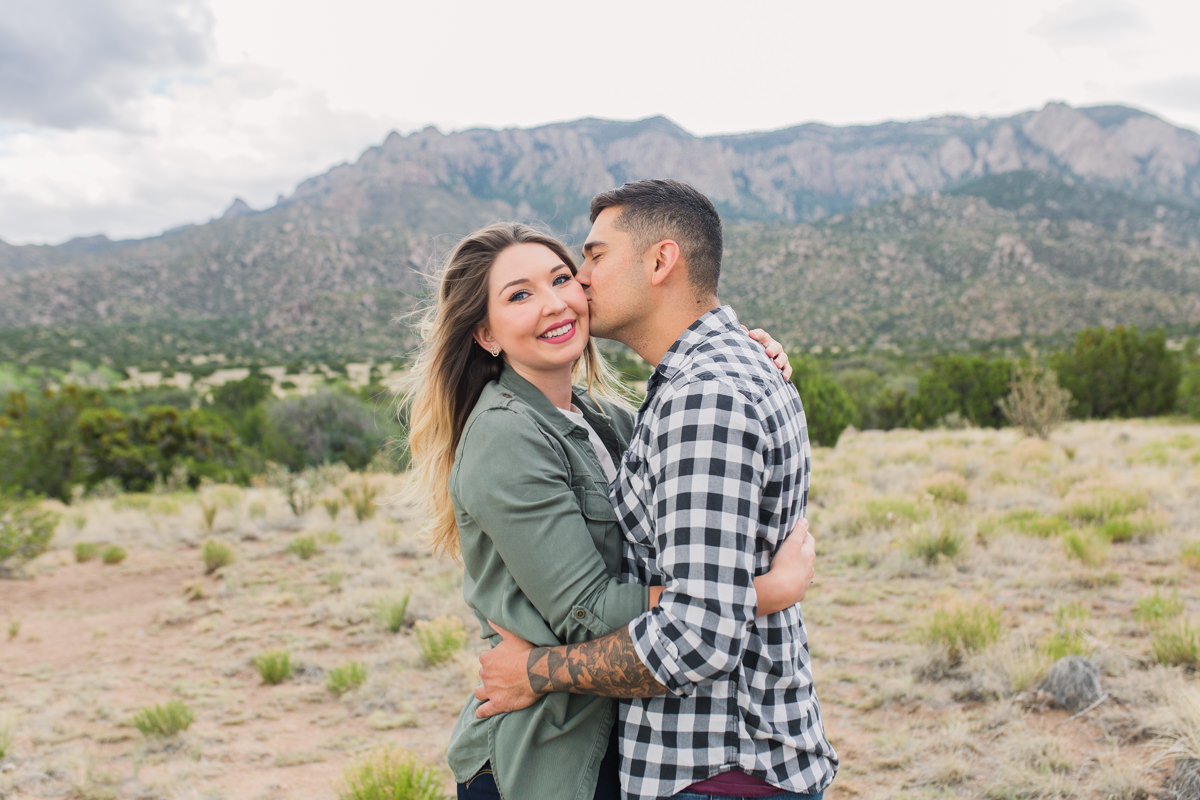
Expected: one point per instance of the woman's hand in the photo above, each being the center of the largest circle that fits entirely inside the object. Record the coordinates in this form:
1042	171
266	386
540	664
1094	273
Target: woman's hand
793	569
773	349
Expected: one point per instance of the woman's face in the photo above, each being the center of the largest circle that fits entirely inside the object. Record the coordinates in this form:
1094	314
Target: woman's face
537	312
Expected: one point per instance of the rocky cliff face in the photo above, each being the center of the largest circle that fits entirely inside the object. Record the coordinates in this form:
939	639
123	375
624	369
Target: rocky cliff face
798	174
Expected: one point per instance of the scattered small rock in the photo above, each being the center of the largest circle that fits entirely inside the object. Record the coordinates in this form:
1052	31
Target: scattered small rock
1074	682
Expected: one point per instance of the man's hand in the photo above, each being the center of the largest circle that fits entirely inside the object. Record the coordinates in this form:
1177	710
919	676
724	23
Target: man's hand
505	676
774	350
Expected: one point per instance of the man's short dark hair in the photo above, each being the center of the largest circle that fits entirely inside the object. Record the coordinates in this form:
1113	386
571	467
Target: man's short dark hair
653	210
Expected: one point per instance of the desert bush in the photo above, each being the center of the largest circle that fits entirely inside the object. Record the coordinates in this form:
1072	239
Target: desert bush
886	511
439	639
361	499
14	629
1035	402
86	551
350	675
321	428
209	511
969	386
1179	646
274	666
304	547
391	613
1070	636
26	528
333	506
957	632
1190	555
1119	373
163	720
7	725
827	407
1179	741
1156	608
933	545
216	555
1105	503
946	487
113	554
1033	523
1086	546
391	775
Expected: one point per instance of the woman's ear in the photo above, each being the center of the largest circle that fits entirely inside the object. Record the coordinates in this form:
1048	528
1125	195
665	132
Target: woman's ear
483	337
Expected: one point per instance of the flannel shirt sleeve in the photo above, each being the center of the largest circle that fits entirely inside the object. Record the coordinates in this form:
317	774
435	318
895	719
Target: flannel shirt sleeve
514	484
707	458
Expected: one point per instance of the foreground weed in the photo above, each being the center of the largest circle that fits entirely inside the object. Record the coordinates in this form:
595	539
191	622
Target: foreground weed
303	547
1155	609
391	775
947	487
361	499
932	546
1179	647
7	724
391	613
86	551
1190	555
25	529
1071	636
209	509
274	666
1101	505
216	555
1032	523
956	633
163	720
887	511
440	639
1086	546
113	554
14	629
132	502
333	506
350	675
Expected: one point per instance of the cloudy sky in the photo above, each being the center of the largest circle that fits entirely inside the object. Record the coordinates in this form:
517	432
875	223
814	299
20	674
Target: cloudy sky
127	117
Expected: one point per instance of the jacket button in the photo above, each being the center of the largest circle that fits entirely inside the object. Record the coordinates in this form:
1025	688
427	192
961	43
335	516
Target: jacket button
580	613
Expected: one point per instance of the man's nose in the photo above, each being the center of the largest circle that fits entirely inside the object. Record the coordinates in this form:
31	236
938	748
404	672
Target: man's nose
584	275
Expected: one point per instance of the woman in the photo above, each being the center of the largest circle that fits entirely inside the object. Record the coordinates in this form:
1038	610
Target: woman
512	463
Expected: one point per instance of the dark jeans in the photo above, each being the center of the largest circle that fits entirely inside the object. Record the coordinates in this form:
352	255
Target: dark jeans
482	785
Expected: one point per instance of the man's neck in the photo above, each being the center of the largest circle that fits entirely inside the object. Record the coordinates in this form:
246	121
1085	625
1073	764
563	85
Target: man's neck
666	326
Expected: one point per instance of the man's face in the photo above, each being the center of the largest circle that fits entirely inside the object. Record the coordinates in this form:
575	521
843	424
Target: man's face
614	279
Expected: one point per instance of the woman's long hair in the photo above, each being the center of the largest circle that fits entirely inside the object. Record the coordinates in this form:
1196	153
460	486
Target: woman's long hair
451	370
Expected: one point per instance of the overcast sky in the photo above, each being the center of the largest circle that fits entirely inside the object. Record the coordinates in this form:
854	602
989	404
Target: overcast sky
127	117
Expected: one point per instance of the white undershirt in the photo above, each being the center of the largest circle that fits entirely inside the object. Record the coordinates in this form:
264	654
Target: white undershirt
606	462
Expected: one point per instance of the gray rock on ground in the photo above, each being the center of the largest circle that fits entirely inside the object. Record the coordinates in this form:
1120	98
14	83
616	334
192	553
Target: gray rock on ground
1074	682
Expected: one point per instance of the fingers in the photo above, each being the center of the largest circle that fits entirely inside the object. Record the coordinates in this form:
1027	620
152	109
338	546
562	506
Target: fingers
503	633
488	709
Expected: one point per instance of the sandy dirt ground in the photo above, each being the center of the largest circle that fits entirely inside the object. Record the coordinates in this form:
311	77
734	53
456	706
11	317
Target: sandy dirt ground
84	646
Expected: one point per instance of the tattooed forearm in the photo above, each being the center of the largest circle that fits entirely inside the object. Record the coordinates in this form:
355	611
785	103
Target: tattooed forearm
608	666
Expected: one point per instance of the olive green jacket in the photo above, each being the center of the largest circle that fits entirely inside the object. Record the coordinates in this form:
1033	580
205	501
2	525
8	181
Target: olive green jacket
541	551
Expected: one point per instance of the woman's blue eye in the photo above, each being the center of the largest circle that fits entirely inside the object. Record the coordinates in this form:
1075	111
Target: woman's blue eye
517	296
560	279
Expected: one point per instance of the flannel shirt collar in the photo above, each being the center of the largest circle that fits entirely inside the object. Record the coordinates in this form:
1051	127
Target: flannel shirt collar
712	323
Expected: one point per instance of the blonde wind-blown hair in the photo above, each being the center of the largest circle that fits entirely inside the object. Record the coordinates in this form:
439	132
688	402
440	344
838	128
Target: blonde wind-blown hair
451	370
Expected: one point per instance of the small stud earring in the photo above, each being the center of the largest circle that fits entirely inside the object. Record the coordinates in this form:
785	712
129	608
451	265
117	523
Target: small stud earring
495	351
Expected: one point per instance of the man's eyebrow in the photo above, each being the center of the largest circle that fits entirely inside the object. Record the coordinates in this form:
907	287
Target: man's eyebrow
588	247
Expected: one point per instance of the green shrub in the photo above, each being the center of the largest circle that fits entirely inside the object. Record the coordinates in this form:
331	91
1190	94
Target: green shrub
1155	609
391	613
886	511
26	529
1190	555
1030	522
1035	402
333	505
322	428
1086	546
361	499
1119	373
350	675
274	666
1179	647
163	720
440	639
304	547
391	775
216	555
931	546
209	511
113	554
969	386
949	488
1102	505
1071	634
827	408
86	551
965	630
6	735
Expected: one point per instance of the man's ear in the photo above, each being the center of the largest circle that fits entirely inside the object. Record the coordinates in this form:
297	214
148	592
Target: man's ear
666	261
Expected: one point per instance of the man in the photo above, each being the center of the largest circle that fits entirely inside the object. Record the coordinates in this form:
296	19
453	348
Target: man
716	701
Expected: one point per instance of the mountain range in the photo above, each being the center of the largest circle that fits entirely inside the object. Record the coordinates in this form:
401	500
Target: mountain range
936	233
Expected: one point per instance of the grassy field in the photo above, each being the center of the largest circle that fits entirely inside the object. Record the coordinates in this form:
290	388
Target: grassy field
240	650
